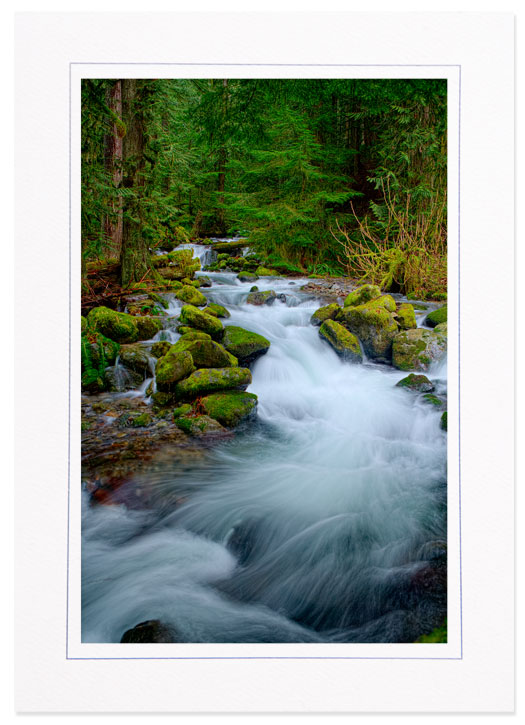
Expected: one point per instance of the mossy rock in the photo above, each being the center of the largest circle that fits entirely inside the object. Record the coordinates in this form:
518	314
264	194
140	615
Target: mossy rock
141	421
92	381
436	317
261	298
443	421
191	296
145	307
183	409
177	265
441	329
417	349
245	345
374	325
97	351
254	288
406	316
191	316
198	425
361	295
118	326
206	353
247	277
162	400
204	280
433	400
417	383
265	272
134	357
148	327
230	408
216	310
159	349
328	312
212	380
345	343
174	366
83	324
119	379
191	334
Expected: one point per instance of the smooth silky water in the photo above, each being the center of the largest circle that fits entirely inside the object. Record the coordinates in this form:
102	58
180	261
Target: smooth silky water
321	522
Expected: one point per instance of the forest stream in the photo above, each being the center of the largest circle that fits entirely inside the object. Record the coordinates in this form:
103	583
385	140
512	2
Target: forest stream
324	520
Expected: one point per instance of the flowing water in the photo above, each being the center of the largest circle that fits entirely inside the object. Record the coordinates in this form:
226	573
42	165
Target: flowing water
323	522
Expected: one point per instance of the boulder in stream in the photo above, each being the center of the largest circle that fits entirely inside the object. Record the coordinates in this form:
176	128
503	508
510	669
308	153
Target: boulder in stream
191	296
374	324
418	349
406	316
261	298
151	632
417	383
148	327
362	294
212	380
345	343
174	366
216	310
245	345
191	316
247	277
230	408
118	326
206	353
436	317
328	312
199	425
134	357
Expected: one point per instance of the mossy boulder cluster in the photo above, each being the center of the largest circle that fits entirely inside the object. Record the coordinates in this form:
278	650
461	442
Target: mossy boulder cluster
343	342
191	296
191	316
437	317
387	332
177	265
245	345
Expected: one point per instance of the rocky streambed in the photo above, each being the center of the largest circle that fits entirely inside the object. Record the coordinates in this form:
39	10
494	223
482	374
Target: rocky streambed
276	465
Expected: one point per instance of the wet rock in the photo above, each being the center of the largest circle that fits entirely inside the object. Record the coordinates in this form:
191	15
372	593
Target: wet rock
188	333
207	353
119	379
191	296
418	383
118	326
434	400
148	327
417	349
134	357
191	316
328	312
159	349
216	310
436	317
406	316
345	343
245	345
443	421
97	351
151	632
261	298
247	276
212	380
174	366
205	281
230	408
199	425
361	295
374	325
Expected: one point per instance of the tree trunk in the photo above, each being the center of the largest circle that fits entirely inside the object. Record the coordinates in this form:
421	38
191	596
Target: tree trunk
113	161
221	182
134	259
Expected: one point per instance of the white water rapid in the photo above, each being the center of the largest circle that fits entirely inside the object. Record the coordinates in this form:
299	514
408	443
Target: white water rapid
323	522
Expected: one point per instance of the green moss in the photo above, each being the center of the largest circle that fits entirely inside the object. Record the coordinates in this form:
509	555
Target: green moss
328	312
436	317
174	366
247	276
211	380
406	317
191	296
206	353
433	400
417	349
177	265
183	409
118	326
418	383
265	272
159	349
230	408
191	316
245	345
161	400
261	298
362	294
345	343
191	334
216	310
373	324
134	357
141	421
443	421
198	425
438	635
148	327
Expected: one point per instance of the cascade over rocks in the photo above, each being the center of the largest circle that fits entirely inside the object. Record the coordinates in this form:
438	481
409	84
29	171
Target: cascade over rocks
418	383
174	366
134	357
374	325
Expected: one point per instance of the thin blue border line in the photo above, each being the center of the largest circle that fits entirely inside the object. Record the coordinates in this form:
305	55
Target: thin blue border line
294	65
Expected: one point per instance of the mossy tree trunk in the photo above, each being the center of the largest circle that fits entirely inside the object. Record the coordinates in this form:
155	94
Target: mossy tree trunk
135	263
113	144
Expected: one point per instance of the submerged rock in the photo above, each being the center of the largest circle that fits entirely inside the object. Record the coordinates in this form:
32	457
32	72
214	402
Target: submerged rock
328	312
151	632
211	380
345	343
245	345
230	408
191	316
261	298
361	295
436	317
418	383
191	296
418	349
374	324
